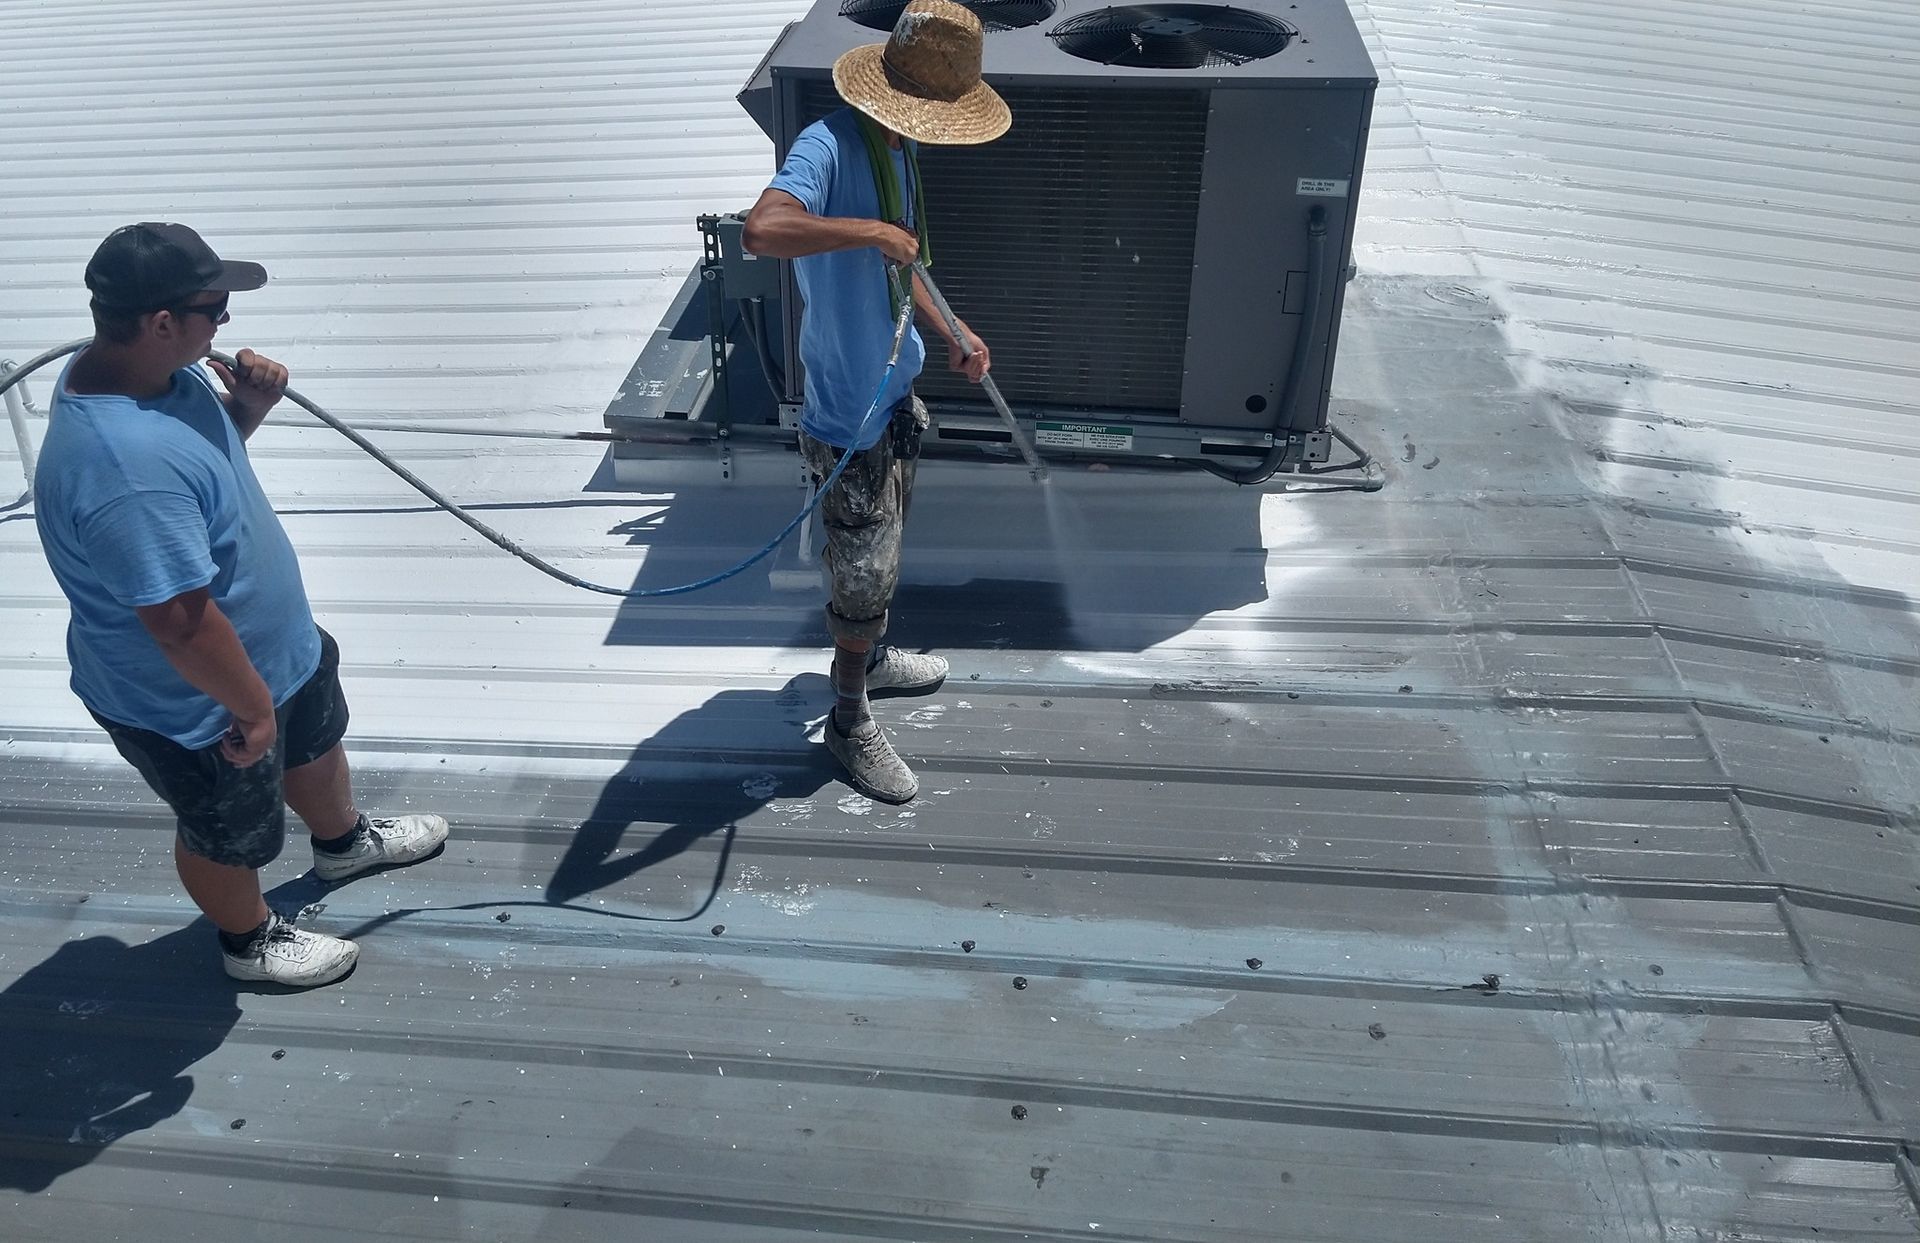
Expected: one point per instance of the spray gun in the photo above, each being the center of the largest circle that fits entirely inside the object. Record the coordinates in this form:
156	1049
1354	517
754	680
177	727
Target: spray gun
1031	455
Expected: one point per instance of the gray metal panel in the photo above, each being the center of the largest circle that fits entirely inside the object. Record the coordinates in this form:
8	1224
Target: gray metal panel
1270	157
1343	224
674	370
756	97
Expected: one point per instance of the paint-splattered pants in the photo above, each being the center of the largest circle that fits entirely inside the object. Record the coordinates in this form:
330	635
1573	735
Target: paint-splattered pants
865	514
232	815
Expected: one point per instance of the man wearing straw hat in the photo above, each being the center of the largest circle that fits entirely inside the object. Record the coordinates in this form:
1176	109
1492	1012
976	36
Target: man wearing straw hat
847	205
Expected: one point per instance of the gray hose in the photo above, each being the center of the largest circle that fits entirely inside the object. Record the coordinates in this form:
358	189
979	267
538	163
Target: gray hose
34	364
753	318
496	538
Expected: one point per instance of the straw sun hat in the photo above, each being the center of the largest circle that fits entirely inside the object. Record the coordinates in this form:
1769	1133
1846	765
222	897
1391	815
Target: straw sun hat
924	81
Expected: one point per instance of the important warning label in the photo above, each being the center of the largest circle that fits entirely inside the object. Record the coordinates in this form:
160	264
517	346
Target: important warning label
1323	187
1108	437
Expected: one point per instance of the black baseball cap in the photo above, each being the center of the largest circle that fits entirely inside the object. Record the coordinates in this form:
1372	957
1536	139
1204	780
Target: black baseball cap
145	267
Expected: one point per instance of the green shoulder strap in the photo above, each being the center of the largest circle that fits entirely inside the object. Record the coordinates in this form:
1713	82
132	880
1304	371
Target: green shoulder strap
887	187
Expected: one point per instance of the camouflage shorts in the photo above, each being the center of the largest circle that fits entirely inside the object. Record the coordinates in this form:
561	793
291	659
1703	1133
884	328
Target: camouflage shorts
231	815
864	515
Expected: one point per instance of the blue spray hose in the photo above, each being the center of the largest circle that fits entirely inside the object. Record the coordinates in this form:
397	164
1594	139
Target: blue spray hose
426	489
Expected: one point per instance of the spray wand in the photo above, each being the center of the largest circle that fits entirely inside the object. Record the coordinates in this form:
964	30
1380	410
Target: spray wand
1035	467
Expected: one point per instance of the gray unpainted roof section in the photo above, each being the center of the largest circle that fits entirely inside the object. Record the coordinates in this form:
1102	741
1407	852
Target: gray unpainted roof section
1607	698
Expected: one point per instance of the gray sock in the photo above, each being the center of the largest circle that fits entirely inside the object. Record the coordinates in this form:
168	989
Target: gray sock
849	687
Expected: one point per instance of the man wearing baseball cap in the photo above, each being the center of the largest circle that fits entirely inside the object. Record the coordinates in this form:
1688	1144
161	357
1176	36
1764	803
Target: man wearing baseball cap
845	205
192	642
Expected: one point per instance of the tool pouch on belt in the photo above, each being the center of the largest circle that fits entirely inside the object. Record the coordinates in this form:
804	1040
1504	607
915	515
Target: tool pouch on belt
910	422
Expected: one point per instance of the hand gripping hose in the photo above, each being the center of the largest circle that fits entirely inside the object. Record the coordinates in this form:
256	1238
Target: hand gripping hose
426	489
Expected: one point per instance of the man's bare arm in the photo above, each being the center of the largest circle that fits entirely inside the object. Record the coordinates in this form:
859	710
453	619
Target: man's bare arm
781	227
200	643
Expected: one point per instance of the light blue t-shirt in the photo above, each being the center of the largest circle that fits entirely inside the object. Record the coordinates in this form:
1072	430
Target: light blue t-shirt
139	500
848	325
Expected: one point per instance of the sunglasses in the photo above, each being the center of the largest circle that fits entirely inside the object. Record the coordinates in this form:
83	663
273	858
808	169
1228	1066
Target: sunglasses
214	311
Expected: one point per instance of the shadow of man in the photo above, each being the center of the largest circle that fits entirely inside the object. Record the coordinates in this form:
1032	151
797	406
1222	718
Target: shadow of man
98	1040
702	774
1098	560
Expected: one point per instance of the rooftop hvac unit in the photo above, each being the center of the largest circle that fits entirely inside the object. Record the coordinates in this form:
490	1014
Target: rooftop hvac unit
1157	250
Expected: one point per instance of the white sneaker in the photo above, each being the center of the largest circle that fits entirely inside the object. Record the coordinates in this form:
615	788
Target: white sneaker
284	954
390	841
893	669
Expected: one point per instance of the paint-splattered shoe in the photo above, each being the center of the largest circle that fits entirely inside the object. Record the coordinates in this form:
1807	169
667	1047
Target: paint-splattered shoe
284	954
895	670
873	766
384	842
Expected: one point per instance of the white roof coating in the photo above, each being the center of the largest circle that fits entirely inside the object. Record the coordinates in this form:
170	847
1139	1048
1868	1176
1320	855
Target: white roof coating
1566	792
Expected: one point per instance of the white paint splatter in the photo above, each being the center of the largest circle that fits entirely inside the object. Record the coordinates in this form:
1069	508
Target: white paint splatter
792	902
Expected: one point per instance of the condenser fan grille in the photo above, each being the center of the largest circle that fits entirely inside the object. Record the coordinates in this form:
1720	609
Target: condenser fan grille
993	14
1073	210
1171	36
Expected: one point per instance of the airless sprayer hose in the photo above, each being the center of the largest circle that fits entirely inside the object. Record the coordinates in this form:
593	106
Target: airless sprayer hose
426	489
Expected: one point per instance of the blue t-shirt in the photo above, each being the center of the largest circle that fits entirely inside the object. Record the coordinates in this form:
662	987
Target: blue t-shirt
848	325
139	500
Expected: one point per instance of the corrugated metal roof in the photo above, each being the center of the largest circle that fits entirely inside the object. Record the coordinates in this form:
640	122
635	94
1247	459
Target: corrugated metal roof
1526	851
471	209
